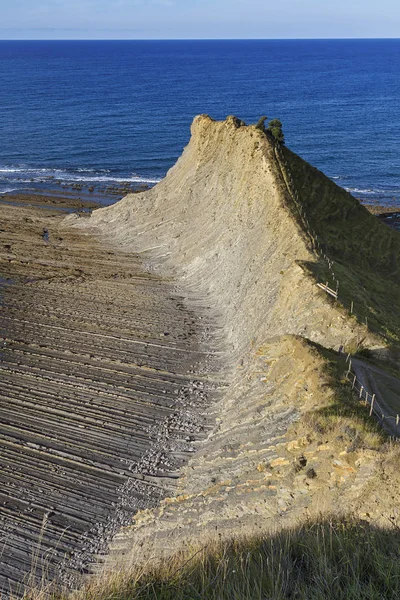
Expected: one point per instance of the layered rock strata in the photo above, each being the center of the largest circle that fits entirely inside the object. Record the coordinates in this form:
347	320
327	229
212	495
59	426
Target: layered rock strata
225	263
103	392
221	224
224	223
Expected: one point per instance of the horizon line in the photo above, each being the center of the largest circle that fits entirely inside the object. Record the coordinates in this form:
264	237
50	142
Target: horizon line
204	39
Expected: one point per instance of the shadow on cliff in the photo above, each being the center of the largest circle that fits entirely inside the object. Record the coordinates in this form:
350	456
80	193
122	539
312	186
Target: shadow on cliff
325	559
356	252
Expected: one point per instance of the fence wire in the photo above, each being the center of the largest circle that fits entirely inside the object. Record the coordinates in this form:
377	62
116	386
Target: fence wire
375	406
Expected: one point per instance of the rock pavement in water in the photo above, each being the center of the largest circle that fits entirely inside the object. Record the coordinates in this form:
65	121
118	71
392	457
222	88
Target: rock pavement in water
102	387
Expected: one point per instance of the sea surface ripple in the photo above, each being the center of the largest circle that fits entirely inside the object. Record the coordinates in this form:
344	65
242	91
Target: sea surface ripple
116	111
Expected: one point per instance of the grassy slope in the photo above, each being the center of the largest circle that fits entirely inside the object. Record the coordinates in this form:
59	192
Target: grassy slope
323	560
365	252
341	415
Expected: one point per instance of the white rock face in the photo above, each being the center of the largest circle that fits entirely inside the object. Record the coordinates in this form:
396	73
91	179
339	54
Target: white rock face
219	223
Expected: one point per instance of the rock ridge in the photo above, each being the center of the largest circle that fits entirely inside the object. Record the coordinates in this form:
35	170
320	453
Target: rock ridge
223	225
219	222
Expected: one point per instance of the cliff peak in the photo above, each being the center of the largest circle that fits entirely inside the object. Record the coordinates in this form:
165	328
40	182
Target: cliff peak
247	226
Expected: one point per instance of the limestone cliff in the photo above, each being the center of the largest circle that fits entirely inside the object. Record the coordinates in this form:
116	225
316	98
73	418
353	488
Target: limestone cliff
246	229
222	223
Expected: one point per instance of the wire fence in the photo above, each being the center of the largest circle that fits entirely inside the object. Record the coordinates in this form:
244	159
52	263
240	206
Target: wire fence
375	406
332	285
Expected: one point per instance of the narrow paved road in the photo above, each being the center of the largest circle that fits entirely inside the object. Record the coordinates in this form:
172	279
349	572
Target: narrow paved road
365	373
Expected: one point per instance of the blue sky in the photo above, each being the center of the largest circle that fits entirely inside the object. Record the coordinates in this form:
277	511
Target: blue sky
166	19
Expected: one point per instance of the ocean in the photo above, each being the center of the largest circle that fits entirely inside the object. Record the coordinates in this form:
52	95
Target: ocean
100	113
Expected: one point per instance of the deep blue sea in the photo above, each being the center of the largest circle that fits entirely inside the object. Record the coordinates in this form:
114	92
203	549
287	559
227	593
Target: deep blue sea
112	111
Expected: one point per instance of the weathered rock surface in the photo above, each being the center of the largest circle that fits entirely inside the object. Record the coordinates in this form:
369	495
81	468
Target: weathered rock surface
102	388
261	468
223	292
224	225
220	223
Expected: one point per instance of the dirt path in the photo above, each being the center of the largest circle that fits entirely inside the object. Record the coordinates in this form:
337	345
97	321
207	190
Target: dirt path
103	380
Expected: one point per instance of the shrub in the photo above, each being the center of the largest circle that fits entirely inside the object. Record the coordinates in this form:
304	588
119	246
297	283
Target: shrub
275	128
261	123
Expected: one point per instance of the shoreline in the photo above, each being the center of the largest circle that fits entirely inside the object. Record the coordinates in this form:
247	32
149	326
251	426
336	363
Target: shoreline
100	193
389	215
50	202
84	202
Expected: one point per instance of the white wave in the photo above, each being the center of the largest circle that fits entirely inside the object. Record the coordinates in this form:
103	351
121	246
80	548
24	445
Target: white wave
93	170
105	179
8	190
25	170
362	191
75	175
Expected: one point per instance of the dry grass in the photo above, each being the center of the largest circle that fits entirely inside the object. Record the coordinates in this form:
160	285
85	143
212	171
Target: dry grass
321	560
340	415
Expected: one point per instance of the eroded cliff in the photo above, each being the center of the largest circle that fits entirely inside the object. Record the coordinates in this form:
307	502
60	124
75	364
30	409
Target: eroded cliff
221	222
247	230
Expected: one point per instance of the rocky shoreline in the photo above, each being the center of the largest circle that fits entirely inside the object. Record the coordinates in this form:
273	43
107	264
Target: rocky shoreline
388	215
101	192
105	380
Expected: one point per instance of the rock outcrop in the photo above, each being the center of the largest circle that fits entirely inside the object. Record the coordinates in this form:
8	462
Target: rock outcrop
247	229
100	364
221	223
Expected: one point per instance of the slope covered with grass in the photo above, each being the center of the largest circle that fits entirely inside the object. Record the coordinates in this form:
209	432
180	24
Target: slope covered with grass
366	253
321	560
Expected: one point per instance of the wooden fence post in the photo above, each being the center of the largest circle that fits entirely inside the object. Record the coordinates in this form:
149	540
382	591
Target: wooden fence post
372	404
349	369
354	382
397	420
351	307
361	391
